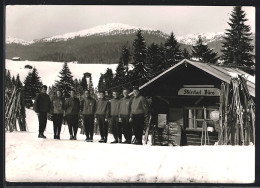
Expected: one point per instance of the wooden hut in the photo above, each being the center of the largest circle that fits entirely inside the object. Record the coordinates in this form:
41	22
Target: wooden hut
186	102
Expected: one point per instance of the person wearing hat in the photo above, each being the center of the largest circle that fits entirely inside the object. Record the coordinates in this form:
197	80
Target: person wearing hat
72	109
101	116
124	116
114	112
57	108
42	106
139	110
88	108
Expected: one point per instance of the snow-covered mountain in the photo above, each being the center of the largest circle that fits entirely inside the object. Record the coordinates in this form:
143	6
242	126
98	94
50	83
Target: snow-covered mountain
13	40
118	28
191	39
107	29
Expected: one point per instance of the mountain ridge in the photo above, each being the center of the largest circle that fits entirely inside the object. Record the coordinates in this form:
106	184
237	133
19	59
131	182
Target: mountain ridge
100	44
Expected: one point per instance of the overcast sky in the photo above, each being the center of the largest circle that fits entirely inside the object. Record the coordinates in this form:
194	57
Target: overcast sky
39	21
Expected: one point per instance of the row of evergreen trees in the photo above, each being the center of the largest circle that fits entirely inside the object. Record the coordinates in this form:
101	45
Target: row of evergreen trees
32	84
150	61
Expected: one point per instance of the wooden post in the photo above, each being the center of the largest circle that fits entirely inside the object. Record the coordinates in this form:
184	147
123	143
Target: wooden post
226	95
221	100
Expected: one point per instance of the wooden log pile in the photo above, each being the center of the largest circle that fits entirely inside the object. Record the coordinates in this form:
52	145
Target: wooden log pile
15	111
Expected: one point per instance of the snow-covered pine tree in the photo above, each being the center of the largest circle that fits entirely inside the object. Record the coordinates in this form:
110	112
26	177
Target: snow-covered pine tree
236	47
186	54
172	51
154	60
141	69
202	52
65	83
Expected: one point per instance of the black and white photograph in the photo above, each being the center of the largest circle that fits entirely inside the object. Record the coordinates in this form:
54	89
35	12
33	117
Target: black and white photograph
130	94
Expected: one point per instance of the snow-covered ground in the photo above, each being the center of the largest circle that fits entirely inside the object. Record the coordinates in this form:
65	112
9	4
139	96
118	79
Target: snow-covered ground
49	71
31	159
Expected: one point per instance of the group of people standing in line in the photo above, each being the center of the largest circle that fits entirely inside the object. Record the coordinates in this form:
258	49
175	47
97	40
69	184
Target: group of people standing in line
127	114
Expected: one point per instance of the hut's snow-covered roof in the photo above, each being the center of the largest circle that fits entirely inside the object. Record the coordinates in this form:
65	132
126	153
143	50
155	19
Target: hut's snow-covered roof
223	73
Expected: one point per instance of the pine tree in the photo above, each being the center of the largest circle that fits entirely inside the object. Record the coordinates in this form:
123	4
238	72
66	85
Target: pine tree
8	82
186	54
203	53
162	52
154	60
108	77
18	82
121	76
172	51
27	90
236	47
126	57
101	83
13	82
65	83
36	83
84	83
139	59
90	86
32	86
78	88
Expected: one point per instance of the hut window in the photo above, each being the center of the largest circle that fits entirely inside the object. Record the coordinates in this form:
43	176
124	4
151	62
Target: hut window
196	117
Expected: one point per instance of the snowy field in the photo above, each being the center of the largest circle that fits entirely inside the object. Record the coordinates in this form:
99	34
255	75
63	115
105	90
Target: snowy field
31	159
49	71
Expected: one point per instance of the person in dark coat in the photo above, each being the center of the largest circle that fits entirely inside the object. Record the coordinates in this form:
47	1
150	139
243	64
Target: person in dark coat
102	115
42	106
72	109
114	112
139	110
124	116
88	108
57	108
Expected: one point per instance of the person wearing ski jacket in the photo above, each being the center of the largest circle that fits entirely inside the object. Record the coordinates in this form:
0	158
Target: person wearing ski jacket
72	109
57	109
42	106
102	115
114	112
88	108
139	110
124	116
